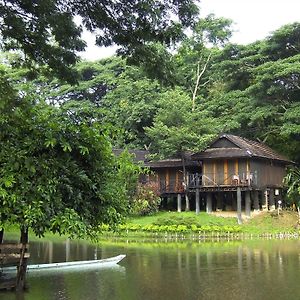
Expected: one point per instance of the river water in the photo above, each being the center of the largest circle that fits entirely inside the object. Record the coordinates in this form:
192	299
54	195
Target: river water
253	269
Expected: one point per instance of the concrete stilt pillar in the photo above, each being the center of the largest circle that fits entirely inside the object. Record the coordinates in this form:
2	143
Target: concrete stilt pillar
208	203
179	202
197	201
265	200
271	200
247	203
239	205
233	201
255	201
219	201
187	202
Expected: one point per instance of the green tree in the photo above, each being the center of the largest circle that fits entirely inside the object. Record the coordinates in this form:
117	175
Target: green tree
255	90
57	173
109	91
177	128
292	180
45	31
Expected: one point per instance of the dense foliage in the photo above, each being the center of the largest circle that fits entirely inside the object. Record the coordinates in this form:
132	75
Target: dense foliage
146	201
57	168
57	171
251	90
46	33
292	181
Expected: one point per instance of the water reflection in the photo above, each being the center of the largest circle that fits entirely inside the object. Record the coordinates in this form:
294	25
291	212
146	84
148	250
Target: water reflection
196	270
245	270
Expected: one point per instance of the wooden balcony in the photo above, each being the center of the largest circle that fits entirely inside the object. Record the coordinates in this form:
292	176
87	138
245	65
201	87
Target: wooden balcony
215	181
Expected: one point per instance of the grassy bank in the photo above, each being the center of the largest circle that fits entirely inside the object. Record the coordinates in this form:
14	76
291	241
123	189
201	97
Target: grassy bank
187	224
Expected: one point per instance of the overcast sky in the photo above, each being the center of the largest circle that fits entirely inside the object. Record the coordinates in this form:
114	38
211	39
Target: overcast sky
253	20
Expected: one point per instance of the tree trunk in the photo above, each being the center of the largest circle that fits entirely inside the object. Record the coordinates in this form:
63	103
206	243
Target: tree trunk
199	74
21	274
1	235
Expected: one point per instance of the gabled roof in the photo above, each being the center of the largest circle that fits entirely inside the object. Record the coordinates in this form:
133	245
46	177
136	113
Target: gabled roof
174	162
232	146
138	155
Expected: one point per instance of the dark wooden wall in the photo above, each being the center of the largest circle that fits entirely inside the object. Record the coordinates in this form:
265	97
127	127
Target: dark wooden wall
269	174
263	173
170	179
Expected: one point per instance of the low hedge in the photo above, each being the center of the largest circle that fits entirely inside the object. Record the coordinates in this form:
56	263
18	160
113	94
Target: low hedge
193	228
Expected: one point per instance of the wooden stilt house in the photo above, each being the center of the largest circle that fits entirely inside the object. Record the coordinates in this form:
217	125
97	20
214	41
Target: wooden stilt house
239	173
171	176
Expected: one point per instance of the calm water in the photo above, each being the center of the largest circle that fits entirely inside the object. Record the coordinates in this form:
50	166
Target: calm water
224	270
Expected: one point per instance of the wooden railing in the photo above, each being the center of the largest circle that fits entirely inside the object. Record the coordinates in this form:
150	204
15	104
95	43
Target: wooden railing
215	179
171	186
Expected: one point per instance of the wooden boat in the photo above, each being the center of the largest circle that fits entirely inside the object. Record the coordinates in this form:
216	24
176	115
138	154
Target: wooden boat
106	262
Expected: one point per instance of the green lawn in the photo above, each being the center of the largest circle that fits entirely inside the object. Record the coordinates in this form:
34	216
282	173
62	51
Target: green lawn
266	222
182	218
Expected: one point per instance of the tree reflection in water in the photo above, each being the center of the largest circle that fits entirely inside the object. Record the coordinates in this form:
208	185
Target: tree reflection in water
263	269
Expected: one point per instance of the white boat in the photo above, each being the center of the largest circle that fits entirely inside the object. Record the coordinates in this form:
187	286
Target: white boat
70	264
85	264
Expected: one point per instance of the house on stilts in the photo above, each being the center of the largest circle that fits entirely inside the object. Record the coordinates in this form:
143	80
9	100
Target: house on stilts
232	174
171	177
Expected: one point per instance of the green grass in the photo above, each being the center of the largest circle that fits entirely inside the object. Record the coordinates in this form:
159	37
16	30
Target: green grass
13	232
266	222
190	223
182	218
270	222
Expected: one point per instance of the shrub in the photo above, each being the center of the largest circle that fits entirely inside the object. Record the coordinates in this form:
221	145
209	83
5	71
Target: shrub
146	201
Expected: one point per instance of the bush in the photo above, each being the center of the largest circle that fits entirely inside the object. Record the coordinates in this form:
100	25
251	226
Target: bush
174	228
146	201
177	220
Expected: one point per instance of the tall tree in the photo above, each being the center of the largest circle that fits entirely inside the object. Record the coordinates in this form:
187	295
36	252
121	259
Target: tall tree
45	31
176	128
57	171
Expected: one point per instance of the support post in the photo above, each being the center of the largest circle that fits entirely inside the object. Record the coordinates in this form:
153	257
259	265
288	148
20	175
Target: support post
219	202
208	203
248	204
197	201
265	201
178	202
22	267
1	235
271	199
187	202
255	201
239	205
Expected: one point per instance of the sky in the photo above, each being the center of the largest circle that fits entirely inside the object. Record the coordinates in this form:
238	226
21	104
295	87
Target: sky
252	20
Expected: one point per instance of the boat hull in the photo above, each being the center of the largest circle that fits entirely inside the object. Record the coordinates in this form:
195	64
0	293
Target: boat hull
106	262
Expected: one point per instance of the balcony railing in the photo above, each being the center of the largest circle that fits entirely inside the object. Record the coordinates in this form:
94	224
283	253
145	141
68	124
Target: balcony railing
171	186
215	180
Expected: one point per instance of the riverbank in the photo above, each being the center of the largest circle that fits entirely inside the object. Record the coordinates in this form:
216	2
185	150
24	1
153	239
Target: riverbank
190	225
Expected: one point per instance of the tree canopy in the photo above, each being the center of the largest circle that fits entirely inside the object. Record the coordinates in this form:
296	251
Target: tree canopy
57	171
214	87
46	33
